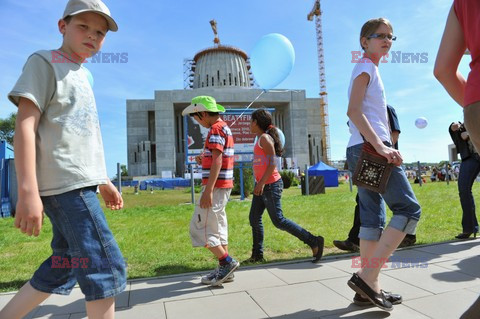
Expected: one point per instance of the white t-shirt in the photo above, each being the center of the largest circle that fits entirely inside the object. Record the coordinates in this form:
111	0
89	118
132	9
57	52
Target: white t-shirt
374	104
69	148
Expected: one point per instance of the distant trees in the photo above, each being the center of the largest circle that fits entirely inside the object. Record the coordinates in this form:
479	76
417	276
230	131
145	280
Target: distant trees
7	128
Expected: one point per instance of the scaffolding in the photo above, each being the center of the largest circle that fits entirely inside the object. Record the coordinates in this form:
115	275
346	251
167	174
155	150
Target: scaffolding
188	73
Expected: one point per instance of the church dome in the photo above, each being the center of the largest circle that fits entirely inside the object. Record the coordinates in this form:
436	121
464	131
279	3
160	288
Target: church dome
221	66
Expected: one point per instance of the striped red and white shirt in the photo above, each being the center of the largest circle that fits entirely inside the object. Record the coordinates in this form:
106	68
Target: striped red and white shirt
219	138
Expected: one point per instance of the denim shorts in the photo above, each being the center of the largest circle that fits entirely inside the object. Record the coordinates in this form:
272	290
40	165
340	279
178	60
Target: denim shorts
399	197
83	246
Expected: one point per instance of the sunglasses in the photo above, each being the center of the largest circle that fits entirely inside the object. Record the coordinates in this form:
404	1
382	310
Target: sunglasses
382	36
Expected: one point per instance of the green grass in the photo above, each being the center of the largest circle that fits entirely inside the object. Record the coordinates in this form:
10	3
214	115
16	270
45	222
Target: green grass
152	230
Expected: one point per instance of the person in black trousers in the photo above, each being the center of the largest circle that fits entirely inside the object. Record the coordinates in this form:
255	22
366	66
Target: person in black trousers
352	242
469	169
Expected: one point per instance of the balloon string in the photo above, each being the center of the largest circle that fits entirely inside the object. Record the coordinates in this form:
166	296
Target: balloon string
263	91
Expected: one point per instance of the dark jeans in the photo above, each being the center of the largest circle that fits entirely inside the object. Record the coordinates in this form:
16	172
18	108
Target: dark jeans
270	199
353	234
469	170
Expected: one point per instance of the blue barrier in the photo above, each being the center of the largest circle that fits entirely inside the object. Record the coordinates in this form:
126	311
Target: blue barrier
126	183
6	153
164	183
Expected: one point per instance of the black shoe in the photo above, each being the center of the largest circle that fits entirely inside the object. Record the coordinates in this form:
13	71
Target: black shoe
254	259
346	245
408	241
395	299
465	235
320	245
473	311
362	288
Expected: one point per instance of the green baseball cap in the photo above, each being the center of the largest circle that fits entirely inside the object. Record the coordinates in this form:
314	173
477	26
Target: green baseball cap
203	103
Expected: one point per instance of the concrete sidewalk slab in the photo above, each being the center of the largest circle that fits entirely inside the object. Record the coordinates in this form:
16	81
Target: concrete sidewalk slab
451	304
292	300
249	279
232	306
303	272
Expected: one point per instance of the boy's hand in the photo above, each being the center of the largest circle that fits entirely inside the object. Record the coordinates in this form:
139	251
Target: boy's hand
198	159
29	215
258	190
206	199
111	196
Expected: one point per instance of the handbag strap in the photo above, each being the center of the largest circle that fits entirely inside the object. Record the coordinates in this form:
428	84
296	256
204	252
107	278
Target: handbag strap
367	147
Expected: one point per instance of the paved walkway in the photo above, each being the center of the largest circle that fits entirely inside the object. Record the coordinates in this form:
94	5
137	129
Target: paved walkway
445	282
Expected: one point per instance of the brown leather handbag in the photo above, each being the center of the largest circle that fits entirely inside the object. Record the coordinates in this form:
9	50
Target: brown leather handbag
372	170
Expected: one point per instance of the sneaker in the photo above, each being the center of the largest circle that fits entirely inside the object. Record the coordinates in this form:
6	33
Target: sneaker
346	245
224	272
208	278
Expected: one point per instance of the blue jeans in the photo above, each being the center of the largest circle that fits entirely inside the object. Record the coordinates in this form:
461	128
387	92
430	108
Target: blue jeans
399	197
270	199
469	170
83	246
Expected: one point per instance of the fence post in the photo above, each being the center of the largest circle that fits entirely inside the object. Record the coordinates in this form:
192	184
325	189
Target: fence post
419	174
306	181
242	194
119	178
350	181
192	183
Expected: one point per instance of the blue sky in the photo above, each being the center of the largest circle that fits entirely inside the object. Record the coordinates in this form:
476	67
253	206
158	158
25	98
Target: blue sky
158	35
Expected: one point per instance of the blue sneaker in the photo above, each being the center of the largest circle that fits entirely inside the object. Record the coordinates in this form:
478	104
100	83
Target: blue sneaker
224	272
208	278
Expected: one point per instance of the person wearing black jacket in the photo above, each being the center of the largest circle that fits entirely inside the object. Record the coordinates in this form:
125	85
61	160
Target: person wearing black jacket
469	169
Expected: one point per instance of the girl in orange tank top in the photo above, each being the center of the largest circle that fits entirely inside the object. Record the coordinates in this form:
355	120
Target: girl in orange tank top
268	190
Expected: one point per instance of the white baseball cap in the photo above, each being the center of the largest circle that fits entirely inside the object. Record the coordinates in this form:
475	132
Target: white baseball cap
78	6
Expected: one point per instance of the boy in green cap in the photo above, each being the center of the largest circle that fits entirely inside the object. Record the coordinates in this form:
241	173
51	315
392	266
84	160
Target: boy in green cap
208	227
59	161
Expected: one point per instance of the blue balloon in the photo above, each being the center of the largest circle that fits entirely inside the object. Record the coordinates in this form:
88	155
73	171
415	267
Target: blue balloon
272	60
280	135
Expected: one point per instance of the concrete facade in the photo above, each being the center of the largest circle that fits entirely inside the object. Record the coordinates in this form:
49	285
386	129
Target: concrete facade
297	116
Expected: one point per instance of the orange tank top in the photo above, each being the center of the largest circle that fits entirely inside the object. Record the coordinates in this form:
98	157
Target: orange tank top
261	162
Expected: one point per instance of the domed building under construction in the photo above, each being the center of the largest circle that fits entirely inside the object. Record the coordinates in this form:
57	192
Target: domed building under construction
155	127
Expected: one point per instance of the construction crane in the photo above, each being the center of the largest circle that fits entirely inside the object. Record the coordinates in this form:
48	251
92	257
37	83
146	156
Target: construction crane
325	145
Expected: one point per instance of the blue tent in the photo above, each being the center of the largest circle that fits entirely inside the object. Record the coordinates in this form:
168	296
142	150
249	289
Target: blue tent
330	174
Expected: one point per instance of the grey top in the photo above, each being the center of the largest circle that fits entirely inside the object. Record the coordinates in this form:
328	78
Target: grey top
69	148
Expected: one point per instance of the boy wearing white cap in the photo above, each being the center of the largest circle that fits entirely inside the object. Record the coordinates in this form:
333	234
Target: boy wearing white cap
60	162
208	227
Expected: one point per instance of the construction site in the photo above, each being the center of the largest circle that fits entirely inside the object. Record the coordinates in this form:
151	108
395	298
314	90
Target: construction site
157	141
